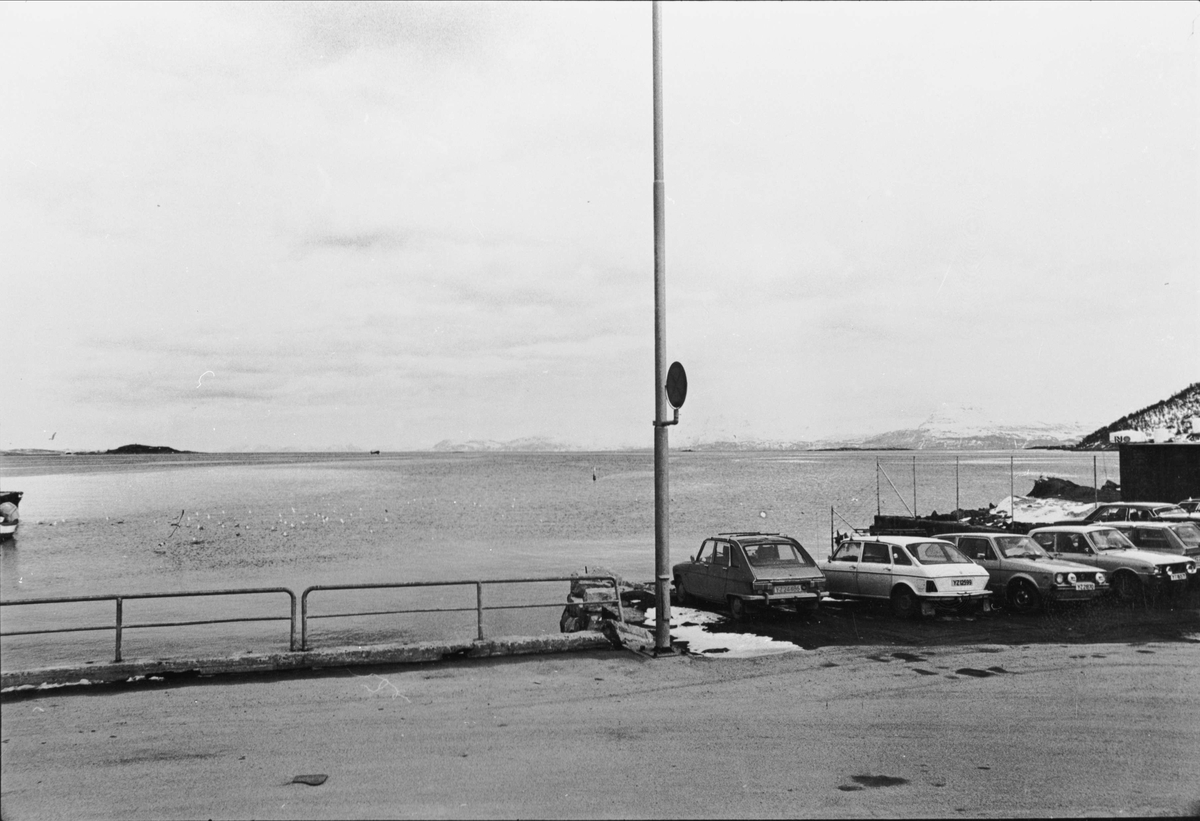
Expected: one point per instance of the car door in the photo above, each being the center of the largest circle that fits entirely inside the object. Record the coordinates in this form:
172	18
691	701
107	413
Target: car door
979	550
841	571
718	577
875	571
699	576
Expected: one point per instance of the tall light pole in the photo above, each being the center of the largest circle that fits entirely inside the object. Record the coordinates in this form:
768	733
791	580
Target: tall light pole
662	550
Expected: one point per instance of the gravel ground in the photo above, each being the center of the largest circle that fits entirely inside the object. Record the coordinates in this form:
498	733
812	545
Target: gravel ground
971	730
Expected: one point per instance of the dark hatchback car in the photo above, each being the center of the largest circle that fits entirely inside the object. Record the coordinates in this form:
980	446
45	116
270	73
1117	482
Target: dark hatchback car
1134	512
747	570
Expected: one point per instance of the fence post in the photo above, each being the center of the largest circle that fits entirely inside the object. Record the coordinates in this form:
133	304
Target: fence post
292	630
479	607
304	619
120	607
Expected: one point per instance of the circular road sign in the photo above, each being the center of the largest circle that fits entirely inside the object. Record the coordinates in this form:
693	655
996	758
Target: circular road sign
676	385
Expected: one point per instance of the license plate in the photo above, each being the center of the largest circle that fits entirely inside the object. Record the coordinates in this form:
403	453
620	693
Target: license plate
962	582
1178	577
1085	586
788	588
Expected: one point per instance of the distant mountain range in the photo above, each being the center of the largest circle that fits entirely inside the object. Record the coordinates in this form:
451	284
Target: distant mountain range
951	427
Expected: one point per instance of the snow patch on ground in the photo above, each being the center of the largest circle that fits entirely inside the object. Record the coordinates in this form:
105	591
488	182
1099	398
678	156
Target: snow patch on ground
1042	511
690	625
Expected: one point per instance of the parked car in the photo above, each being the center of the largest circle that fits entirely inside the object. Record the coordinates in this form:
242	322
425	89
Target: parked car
746	570
916	574
1023	576
1191	505
1132	573
1134	512
1180	538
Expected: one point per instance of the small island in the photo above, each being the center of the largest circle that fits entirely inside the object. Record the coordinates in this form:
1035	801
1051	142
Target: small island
128	449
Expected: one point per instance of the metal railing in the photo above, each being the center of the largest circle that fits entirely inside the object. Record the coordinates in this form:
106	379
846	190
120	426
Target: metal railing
119	625
479	607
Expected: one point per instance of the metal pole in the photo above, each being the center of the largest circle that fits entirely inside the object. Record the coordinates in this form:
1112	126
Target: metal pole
957	504
1095	481
914	487
662	551
1012	497
120	607
479	609
878	506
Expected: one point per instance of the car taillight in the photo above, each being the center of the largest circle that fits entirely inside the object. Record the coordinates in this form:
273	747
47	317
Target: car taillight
930	587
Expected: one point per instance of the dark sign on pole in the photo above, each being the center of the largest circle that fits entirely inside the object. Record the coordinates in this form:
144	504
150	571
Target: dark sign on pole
676	385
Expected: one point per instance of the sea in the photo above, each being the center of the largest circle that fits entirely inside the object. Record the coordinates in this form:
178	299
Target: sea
109	525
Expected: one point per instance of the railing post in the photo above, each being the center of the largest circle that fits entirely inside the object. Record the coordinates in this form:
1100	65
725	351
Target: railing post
292	623
120	608
479	608
304	619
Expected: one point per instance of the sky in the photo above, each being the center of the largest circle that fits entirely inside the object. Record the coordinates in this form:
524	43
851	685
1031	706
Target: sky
323	225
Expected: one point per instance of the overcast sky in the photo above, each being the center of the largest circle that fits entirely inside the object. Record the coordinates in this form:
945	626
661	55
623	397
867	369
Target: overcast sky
314	225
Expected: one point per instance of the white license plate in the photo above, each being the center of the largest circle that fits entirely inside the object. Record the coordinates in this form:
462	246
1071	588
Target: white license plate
1085	586
1178	577
788	588
962	582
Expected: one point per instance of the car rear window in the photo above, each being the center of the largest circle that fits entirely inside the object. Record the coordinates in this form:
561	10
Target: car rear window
936	553
777	553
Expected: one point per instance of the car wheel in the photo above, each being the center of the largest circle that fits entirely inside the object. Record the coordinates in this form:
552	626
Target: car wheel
681	595
1023	597
1127	587
737	608
904	602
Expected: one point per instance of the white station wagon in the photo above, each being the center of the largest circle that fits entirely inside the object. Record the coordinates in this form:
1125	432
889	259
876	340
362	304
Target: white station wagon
916	574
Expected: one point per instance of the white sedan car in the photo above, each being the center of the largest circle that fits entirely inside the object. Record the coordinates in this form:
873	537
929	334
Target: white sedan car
916	574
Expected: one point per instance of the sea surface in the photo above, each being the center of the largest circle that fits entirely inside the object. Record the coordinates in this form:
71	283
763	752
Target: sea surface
123	525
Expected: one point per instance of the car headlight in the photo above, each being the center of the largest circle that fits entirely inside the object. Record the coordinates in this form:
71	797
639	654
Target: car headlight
1070	578
1192	567
1100	578
1058	578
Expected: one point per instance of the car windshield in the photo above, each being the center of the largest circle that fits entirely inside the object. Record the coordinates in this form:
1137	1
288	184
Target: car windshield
1109	539
1188	533
777	553
1170	510
937	553
1020	547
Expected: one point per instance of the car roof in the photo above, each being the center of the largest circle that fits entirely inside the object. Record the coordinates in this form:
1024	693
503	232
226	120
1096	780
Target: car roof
1148	505
753	536
1072	528
900	540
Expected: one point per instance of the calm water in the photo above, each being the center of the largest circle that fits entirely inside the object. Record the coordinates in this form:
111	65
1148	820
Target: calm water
105	525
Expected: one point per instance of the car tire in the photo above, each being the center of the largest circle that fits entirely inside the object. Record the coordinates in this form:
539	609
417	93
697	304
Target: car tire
1127	587
1023	597
737	608
682	597
905	603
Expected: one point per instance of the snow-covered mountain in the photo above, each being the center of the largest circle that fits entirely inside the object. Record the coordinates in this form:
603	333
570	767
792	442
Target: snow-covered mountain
960	427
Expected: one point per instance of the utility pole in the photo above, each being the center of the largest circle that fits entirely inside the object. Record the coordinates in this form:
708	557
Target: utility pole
662	549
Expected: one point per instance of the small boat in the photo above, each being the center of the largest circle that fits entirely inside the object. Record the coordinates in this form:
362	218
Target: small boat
9	515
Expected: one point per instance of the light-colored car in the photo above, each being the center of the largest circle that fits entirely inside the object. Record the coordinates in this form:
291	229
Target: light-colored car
1191	505
1180	538
1132	573
1023	576
746	570
916	574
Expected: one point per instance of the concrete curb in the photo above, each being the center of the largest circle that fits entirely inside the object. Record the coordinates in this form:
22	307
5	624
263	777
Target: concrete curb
312	659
